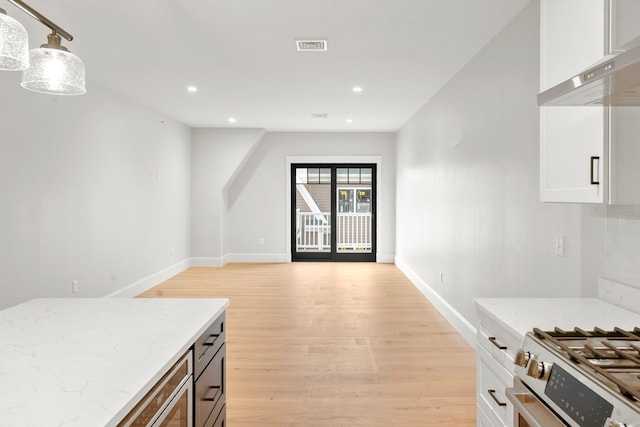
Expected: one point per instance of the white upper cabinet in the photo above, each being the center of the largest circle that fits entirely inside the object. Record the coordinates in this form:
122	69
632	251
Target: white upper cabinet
625	24
572	139
624	157
624	169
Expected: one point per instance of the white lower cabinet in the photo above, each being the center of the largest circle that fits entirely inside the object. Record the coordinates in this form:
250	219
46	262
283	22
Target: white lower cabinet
492	381
496	350
483	419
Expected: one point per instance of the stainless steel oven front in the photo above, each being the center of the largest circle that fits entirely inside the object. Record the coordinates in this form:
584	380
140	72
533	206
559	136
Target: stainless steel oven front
170	401
528	410
577	378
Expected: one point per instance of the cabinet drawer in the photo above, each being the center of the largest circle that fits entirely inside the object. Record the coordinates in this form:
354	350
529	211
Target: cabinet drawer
208	345
210	389
221	421
501	344
493	380
484	420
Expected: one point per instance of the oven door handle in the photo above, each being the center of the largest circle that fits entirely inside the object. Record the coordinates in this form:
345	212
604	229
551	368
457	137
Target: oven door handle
527	405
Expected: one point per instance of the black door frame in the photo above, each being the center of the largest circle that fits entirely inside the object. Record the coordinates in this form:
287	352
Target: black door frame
332	255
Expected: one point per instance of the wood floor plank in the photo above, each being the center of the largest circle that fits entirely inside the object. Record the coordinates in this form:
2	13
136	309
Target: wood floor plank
334	344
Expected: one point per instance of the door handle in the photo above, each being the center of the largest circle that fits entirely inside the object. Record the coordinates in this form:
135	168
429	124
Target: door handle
494	341
209	342
212	398
492	393
595	160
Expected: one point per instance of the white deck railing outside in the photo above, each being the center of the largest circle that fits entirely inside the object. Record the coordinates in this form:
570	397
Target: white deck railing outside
313	232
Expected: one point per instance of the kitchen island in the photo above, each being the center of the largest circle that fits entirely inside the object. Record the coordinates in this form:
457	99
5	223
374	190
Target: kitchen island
88	362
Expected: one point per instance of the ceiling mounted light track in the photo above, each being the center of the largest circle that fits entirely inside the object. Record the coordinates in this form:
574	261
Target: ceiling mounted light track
50	69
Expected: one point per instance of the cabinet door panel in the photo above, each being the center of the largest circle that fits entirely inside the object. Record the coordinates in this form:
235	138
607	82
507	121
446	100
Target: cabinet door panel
572	38
569	138
625	24
624	169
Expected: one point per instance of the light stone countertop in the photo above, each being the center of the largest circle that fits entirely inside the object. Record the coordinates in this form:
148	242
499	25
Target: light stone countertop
521	315
86	362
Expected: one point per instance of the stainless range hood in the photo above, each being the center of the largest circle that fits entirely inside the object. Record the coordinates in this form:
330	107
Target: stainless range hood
613	81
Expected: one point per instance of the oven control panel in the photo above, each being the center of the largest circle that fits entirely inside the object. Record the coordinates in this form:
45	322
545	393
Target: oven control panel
577	400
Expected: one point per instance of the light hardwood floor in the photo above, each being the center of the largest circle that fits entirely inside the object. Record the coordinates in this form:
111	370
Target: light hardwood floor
334	344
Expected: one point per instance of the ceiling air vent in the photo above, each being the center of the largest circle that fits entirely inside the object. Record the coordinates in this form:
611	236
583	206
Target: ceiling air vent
311	45
319	115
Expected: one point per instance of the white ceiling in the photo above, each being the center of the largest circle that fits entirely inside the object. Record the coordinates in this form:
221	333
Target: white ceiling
241	54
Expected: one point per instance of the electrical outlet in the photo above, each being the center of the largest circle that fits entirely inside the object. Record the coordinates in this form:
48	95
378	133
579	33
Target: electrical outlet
75	287
261	241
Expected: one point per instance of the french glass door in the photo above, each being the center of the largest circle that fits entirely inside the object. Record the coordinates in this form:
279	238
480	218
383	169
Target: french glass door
333	212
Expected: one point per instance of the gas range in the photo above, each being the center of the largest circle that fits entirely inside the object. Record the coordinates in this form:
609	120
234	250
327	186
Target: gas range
578	378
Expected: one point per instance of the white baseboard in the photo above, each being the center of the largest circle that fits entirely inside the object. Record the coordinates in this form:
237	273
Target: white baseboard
150	281
462	325
256	258
206	262
385	259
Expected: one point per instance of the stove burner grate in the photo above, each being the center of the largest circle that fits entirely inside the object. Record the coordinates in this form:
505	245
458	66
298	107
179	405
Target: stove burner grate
613	354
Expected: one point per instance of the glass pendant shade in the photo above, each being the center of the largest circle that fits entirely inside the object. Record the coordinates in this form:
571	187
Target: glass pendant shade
14	44
54	71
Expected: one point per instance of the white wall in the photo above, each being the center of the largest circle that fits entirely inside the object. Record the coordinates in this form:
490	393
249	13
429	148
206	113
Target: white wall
259	195
92	188
217	157
467	185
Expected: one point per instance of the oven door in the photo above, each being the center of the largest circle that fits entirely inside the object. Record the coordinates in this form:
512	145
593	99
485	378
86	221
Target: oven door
179	411
170	401
528	410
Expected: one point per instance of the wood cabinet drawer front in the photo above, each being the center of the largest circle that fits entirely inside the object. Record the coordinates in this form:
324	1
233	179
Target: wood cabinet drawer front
208	345
493	380
220	421
210	389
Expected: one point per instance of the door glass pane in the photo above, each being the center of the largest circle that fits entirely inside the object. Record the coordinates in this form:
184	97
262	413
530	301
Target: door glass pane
342	175
363	200
345	200
325	176
313	176
301	175
365	176
353	226
313	210
354	175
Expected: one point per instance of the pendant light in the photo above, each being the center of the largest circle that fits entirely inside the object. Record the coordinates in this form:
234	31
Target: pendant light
54	69
14	44
49	69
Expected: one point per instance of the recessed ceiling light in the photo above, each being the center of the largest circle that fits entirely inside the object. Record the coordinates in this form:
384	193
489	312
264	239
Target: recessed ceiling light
349	120
357	89
192	89
232	120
